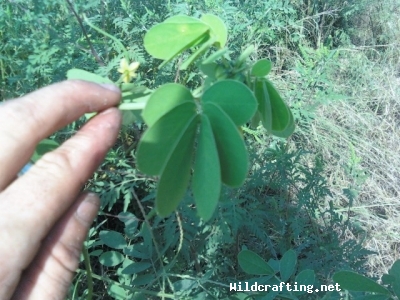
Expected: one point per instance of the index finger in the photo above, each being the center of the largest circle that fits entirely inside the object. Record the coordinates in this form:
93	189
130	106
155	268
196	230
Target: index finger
28	120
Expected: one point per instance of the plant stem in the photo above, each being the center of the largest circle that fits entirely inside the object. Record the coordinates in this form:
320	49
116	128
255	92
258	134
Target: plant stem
117	41
94	53
132	106
88	273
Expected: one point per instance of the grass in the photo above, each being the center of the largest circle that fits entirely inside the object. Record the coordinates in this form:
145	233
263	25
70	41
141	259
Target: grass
360	138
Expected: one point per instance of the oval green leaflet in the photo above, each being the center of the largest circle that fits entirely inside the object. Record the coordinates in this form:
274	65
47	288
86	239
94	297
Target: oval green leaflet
176	34
275	115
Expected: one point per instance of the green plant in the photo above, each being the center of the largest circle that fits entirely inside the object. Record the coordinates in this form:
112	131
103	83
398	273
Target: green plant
274	285
208	117
304	194
279	280
359	284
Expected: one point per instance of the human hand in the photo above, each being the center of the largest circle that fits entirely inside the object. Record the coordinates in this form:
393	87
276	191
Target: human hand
43	217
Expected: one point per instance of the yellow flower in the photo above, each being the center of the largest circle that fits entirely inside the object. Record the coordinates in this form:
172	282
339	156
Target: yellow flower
128	71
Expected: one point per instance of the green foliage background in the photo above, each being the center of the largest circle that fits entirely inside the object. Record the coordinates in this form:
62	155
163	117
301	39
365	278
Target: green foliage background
302	194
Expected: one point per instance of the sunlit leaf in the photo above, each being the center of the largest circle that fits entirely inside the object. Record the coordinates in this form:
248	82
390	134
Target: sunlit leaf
218	28
168	39
88	76
206	183
184	19
164	99
185	285
159	141
234	98
129	117
130	221
134	97
305	277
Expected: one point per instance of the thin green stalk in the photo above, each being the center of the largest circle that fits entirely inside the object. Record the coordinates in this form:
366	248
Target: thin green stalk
94	53
130	288
108	35
88	273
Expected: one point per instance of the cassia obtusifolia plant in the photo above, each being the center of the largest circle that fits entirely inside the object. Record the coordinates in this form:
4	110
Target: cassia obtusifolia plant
203	124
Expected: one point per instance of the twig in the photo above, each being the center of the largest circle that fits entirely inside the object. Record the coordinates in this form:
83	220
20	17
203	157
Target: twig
88	273
94	53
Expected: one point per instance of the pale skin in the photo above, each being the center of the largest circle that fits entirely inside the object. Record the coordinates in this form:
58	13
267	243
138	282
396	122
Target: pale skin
44	216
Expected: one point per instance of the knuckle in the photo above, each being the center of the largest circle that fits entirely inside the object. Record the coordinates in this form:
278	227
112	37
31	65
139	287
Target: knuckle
55	162
25	111
67	254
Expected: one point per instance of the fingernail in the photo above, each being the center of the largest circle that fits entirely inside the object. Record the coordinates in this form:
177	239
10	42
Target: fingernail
88	208
110	87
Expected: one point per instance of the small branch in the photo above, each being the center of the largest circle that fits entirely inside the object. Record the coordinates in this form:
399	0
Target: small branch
177	70
94	53
88	273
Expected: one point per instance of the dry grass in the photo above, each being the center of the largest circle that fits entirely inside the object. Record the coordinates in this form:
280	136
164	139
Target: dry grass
362	133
